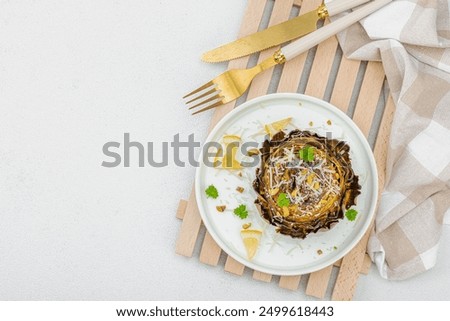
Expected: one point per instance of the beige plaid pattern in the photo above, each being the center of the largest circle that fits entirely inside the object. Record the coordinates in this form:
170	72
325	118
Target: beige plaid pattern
412	39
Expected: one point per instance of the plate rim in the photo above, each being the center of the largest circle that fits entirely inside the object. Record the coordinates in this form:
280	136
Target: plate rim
372	166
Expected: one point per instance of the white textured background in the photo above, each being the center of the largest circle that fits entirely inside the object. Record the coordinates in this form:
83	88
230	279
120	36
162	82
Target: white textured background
77	74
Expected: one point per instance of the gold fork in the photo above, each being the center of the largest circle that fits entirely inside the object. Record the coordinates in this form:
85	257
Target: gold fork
234	83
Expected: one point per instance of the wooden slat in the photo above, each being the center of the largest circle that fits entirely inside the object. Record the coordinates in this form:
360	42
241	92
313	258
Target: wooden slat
191	223
292	71
341	96
233	266
289	282
344	84
250	24
321	67
317	84
189	228
281	11
318	282
369	96
349	271
380	152
347	278
260	276
289	81
210	252
367	263
338	263
365	109
254	15
364	269
181	209
381	144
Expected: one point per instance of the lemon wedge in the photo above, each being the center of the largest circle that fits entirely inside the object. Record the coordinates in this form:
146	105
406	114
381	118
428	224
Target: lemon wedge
251	240
281	124
218	158
228	139
273	128
228	161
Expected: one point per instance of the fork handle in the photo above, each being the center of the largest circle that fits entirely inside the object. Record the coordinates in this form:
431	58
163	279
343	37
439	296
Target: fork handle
337	6
299	46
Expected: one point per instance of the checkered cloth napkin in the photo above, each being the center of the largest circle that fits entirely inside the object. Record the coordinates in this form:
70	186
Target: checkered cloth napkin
412	40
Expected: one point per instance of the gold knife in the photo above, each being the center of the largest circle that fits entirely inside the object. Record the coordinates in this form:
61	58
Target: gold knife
280	33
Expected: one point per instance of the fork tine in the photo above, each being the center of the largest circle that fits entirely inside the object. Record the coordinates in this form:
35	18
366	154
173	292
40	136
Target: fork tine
209	92
214	98
219	103
208	84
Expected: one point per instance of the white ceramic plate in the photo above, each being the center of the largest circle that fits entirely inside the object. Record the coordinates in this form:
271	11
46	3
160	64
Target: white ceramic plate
279	254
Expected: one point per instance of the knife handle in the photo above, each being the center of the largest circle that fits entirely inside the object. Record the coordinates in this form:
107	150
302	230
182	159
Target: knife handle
337	6
307	42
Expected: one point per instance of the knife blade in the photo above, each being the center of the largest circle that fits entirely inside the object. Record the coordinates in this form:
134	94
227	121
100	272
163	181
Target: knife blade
280	33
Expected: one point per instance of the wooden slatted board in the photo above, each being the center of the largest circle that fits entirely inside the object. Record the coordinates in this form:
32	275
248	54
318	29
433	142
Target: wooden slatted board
357	88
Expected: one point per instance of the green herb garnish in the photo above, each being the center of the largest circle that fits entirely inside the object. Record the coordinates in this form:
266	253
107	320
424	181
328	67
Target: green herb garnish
307	153
212	192
283	200
351	214
241	211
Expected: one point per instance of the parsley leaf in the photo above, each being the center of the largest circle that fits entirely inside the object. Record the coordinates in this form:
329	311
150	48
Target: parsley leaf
283	200
212	192
241	211
307	153
351	214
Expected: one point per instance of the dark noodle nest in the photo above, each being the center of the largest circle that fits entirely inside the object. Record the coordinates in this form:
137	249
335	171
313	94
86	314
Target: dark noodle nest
319	191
